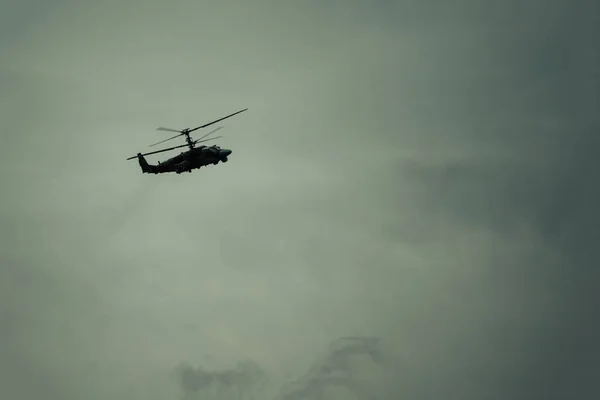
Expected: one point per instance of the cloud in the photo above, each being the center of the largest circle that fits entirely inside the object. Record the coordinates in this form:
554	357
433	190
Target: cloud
418	171
354	368
246	379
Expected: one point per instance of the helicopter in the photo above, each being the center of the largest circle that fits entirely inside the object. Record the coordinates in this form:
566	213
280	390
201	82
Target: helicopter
194	158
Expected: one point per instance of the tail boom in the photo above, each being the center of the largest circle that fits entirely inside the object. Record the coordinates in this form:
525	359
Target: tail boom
146	168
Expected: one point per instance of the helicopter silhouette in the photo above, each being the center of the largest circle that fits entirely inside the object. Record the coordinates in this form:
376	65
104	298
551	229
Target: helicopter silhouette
194	158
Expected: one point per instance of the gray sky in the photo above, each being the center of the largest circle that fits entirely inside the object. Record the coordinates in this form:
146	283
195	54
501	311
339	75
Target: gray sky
419	171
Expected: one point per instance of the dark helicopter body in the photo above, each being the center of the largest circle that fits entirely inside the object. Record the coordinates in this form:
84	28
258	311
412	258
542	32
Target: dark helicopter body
194	158
187	161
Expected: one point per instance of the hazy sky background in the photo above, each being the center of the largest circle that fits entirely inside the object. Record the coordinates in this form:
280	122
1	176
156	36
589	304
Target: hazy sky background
417	170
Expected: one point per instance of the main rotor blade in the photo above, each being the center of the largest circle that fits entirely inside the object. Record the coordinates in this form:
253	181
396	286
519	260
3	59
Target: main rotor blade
168	129
176	136
206	140
159	151
211	132
166	140
218	120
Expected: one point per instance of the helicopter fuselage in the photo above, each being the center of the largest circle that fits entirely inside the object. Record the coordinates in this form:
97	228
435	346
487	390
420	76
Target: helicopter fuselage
186	161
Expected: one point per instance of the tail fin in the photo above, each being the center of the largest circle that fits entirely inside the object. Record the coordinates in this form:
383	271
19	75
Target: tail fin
146	168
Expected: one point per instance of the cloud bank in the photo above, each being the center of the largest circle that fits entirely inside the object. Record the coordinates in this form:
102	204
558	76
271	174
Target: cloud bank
417	171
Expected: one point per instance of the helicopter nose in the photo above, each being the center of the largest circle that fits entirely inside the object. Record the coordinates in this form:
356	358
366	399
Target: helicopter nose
225	152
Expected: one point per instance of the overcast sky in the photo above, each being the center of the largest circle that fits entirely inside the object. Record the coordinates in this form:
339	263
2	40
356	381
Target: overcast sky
421	171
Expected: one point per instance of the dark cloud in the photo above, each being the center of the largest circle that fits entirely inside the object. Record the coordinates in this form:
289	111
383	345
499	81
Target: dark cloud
245	380
421	171
358	366
520	323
